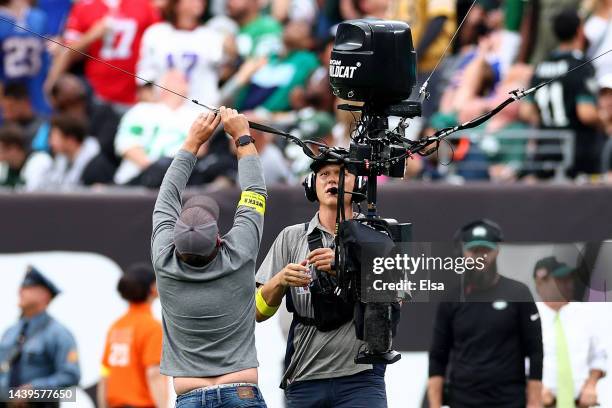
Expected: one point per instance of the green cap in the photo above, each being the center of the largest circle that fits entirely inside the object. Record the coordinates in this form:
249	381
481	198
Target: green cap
552	267
481	233
480	243
315	125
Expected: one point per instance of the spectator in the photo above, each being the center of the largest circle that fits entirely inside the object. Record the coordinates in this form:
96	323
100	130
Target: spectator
598	32
177	43
275	167
17	109
433	24
605	103
317	92
479	84
259	35
574	358
19	166
294	10
475	52
512	16
111	32
57	13
240	78
159	4
605	115
569	102
130	366
505	18
372	8
540	33
69	96
476	75
24	56
311	125
77	159
271	85
473	26
151	131
329	14
505	156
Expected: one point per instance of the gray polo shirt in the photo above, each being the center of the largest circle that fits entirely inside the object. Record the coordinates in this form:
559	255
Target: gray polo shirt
208	313
317	354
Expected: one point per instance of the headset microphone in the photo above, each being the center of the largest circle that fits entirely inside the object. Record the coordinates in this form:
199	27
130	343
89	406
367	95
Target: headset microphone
334	190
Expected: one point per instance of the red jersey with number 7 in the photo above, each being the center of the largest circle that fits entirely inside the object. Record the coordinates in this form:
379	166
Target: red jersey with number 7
120	46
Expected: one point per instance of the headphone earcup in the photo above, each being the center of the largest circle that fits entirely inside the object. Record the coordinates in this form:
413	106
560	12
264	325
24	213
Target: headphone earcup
310	189
361	187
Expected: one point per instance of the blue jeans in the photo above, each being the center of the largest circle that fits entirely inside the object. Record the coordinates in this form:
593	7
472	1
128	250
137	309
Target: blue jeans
362	390
223	396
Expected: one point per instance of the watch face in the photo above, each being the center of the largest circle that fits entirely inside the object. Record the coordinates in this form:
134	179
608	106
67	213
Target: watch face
244	140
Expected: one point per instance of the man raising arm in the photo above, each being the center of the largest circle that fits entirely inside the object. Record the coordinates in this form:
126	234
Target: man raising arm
206	281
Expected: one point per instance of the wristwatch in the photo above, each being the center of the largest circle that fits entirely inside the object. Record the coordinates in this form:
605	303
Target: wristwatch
244	140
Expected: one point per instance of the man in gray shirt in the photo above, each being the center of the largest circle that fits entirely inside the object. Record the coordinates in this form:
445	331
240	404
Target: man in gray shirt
319	366
206	283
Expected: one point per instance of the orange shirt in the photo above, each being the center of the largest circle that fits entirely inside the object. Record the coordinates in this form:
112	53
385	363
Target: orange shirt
134	342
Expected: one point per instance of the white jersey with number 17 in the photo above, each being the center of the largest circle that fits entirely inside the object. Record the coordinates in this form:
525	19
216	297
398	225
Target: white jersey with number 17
197	53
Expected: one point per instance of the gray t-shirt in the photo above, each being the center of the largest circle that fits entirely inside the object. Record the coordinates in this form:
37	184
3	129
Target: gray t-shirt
208	312
317	354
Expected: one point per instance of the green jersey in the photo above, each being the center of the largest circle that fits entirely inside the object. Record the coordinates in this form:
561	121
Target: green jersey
261	37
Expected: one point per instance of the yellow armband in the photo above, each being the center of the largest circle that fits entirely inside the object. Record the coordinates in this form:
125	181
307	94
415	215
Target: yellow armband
253	200
262	306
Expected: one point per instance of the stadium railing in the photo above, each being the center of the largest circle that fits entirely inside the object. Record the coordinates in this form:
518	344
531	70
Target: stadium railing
526	150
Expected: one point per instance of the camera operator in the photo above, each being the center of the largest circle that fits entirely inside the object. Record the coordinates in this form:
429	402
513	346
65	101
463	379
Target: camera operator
319	364
208	342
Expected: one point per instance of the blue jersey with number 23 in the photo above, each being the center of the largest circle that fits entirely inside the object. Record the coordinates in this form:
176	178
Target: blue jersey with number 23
23	56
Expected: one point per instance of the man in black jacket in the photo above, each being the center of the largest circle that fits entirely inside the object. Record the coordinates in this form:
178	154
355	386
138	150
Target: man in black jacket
485	338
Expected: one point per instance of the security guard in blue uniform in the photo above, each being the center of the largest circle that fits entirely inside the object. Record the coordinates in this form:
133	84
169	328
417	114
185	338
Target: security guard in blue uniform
37	352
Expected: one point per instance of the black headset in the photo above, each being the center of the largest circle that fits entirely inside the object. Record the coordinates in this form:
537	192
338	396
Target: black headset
310	188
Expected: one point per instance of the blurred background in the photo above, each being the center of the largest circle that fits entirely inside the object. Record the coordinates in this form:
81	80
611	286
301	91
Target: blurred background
70	122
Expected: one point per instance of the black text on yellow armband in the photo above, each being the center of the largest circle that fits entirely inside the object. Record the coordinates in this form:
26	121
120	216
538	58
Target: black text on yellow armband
254	200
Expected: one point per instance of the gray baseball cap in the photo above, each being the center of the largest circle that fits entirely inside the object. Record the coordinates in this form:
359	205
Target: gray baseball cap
196	231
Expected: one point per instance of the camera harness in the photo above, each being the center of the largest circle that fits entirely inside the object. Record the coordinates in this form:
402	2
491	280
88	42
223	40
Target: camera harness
330	311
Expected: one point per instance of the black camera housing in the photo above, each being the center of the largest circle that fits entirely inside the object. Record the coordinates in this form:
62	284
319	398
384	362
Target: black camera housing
376	315
358	238
373	60
361	153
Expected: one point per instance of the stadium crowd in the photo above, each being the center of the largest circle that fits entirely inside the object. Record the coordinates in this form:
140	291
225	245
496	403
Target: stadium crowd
70	121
